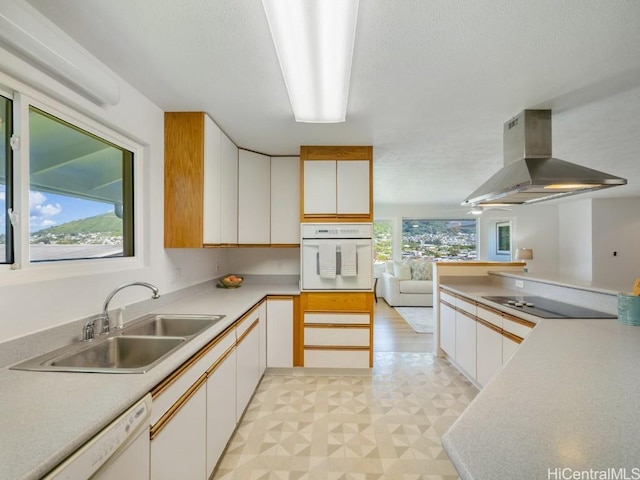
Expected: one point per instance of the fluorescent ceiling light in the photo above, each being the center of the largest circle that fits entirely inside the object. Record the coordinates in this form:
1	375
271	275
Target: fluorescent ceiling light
314	42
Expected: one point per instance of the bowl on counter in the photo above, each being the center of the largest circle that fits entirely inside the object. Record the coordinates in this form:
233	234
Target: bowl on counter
230	281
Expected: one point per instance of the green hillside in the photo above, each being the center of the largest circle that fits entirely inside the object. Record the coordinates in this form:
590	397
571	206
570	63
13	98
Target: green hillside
107	224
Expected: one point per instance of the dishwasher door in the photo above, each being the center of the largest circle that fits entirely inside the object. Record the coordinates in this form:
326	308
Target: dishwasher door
121	450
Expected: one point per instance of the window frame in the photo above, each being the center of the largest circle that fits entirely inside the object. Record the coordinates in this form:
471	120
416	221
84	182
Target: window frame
22	268
9	246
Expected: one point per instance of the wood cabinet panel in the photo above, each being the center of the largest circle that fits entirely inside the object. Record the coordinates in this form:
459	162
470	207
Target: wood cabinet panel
337	302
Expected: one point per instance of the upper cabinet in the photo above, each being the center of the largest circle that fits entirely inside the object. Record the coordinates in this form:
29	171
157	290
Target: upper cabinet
337	184
285	201
200	181
254	199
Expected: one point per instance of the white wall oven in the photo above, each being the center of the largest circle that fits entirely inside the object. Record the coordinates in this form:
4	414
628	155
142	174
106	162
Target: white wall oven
336	256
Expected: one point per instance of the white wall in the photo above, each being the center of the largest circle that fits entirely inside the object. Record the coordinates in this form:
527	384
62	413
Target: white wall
37	301
575	240
264	261
616	228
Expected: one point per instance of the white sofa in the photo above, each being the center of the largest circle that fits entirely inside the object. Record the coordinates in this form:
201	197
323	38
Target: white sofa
408	284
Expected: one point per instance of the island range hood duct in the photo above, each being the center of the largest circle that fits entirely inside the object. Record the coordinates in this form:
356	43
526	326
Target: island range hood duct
530	174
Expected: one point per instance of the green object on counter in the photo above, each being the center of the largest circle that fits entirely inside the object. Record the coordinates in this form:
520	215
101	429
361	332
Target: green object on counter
629	309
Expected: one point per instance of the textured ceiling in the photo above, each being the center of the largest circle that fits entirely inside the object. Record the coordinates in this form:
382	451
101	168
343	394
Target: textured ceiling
432	83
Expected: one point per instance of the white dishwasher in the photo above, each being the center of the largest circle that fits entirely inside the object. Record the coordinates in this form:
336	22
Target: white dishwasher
120	450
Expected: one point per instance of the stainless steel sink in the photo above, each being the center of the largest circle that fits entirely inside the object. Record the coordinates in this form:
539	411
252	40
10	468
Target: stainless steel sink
172	325
137	348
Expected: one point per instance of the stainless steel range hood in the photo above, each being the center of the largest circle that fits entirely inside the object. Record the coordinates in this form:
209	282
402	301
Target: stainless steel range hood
530	174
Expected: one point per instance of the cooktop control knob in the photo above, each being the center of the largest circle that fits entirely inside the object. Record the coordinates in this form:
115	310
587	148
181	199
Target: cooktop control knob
529	304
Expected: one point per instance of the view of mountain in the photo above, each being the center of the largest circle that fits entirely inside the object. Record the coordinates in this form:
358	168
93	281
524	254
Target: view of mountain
100	229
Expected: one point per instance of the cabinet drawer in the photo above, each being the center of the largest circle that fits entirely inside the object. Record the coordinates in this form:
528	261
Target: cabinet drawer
489	315
337	302
337	336
447	297
517	326
248	319
466	305
336	358
167	393
337	318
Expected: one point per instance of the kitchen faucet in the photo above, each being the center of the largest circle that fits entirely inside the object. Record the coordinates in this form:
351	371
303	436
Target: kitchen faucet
106	321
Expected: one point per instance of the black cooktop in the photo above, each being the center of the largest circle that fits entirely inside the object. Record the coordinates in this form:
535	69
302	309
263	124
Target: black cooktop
545	308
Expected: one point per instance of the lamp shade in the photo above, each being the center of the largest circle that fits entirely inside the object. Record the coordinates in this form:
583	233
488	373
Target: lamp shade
524	254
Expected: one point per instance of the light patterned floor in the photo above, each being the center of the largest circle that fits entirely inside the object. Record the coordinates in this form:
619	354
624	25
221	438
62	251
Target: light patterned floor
386	425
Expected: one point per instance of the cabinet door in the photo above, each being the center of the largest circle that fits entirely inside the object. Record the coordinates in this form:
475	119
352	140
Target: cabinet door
212	184
448	330
221	409
262	328
353	187
228	190
248	368
285	200
280	333
489	353
509	347
320	187
179	449
466	343
254	210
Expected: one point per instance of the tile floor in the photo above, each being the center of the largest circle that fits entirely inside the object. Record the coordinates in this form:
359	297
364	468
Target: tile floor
383	425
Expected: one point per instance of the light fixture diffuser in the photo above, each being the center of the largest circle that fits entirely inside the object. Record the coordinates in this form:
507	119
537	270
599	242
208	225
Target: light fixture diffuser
314	42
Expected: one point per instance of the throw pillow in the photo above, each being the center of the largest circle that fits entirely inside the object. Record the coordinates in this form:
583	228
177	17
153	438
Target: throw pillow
420	270
401	271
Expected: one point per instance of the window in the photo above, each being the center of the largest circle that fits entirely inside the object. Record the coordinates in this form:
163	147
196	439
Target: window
5	186
439	240
80	193
382	240
69	182
503	238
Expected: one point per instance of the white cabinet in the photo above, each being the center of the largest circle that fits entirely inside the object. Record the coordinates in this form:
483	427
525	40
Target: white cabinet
262	328
247	359
448	330
133	462
280	332
221	408
285	200
339	187
489	352
509	347
466	343
200	182
179	449
254	203
228	191
353	187
320	187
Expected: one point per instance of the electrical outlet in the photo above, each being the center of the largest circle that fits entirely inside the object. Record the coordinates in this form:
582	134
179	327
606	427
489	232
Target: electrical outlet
519	283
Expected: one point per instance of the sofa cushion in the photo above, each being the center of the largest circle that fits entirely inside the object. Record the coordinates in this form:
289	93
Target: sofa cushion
416	286
420	269
401	271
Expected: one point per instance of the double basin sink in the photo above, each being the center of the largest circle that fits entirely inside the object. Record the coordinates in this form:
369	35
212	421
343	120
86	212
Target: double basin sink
136	348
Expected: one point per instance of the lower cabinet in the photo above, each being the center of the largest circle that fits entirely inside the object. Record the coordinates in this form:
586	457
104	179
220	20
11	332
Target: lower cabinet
337	329
489	352
466	343
247	360
478	339
448	329
179	449
279	328
221	407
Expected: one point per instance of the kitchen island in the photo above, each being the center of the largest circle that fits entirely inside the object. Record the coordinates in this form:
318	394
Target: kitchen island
565	402
46	416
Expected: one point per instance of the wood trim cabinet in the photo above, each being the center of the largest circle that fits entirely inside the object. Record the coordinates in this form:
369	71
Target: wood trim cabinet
478	339
336	184
337	329
200	182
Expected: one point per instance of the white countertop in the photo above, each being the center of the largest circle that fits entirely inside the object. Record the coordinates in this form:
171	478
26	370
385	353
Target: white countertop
45	416
568	398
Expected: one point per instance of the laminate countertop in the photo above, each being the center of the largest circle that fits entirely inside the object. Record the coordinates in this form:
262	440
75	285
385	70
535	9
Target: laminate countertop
566	403
46	416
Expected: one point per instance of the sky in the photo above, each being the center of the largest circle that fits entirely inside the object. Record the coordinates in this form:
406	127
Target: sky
48	209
